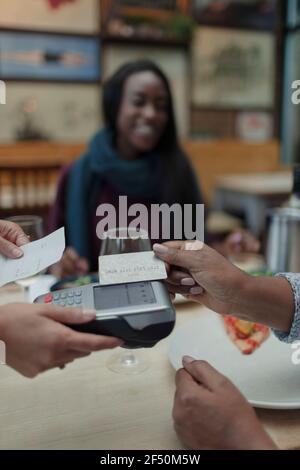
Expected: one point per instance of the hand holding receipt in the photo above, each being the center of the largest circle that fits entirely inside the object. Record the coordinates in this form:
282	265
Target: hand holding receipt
38	255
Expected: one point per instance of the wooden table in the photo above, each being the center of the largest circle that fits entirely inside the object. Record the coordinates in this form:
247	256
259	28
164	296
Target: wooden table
252	194
85	406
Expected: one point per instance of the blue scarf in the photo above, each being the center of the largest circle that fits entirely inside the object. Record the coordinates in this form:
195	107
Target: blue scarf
138	178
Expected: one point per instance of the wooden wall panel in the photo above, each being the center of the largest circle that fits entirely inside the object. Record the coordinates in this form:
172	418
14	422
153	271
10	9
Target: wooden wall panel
209	158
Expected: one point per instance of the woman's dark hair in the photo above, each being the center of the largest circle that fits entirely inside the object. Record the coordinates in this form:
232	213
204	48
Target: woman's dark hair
176	171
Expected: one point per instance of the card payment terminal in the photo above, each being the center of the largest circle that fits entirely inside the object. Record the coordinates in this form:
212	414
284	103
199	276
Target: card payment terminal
140	313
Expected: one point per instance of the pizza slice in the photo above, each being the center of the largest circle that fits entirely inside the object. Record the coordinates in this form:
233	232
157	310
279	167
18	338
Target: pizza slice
247	336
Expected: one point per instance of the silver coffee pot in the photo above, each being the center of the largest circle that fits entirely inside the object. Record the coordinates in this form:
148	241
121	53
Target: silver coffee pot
283	245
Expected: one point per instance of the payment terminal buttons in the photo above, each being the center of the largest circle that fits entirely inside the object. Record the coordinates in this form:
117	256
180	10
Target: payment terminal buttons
69	298
48	299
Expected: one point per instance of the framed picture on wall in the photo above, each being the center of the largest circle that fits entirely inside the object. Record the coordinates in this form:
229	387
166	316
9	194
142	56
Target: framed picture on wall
50	111
233	69
49	57
145	19
256	14
70	16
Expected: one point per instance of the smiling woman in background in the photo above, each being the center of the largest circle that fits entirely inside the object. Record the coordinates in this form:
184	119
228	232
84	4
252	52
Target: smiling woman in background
136	155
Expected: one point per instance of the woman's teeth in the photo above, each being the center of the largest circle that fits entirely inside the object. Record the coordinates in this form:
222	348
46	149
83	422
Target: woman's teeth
146	131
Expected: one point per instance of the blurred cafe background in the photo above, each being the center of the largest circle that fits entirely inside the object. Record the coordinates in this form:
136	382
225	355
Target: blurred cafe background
231	65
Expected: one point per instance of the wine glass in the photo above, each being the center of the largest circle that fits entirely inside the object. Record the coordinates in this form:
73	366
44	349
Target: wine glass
117	241
32	226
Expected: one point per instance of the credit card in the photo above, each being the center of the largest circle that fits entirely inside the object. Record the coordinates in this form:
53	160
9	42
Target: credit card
131	267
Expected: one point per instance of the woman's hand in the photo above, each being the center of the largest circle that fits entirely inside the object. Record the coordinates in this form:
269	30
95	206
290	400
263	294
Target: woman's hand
210	413
240	241
70	264
37	338
202	274
12	238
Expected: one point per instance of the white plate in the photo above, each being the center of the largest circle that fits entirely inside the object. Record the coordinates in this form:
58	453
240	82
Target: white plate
267	378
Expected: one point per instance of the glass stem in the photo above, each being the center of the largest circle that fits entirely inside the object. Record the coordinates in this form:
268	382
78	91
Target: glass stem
129	359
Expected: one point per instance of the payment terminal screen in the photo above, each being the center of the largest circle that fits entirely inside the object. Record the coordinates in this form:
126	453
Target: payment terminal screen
123	295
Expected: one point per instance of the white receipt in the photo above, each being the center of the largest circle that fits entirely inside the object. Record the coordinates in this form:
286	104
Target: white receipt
130	267
38	255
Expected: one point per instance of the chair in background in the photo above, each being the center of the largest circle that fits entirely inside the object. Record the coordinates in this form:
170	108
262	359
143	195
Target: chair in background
27	189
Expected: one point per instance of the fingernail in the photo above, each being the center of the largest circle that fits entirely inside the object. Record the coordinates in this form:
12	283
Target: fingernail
237	237
187	359
23	240
90	312
187	281
194	246
196	290
17	252
160	249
